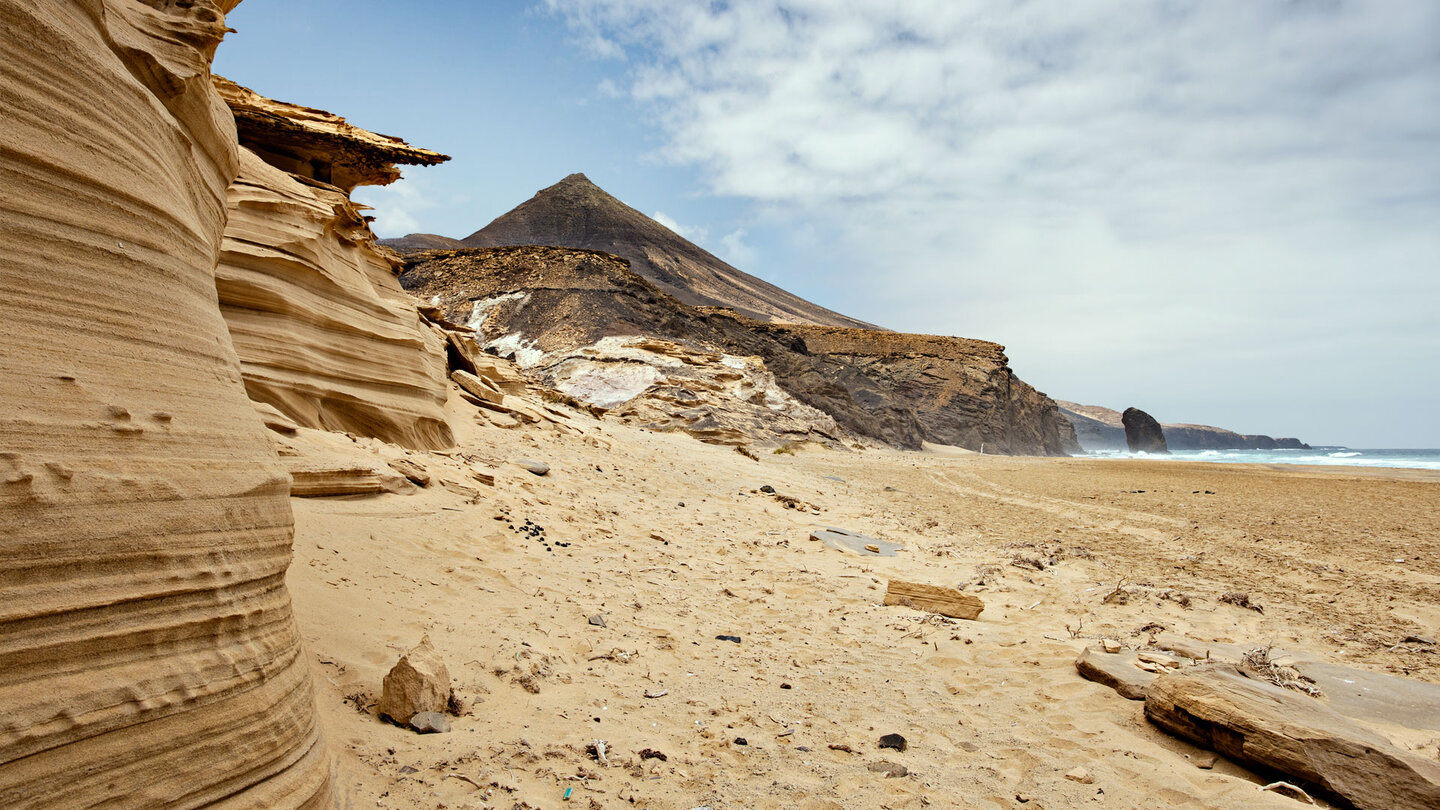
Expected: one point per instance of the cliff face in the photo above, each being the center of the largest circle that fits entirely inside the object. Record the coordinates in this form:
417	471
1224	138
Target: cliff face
324	332
148	656
960	392
898	389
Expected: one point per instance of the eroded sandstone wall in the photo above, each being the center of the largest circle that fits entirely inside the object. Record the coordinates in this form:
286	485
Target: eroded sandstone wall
323	330
148	655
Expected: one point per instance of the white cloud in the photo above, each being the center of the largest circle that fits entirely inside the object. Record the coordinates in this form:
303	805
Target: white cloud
1104	186
397	206
735	251
693	233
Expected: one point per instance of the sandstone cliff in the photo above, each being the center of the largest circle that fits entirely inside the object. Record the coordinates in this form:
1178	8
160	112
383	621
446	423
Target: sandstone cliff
148	656
576	213
324	332
540	304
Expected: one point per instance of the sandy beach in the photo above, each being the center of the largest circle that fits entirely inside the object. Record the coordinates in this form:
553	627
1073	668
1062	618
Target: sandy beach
673	543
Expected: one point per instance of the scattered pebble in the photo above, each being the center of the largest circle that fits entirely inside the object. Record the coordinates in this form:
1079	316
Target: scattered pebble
894	741
890	769
1080	775
598	620
735	639
430	723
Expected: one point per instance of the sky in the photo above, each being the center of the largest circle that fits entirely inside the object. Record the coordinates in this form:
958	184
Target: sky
1223	212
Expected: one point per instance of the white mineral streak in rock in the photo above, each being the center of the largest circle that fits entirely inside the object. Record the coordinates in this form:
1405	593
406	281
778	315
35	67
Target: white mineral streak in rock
604	384
527	354
482	309
664	384
148	655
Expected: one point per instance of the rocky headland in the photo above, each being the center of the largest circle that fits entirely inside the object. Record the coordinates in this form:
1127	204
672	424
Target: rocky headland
1102	429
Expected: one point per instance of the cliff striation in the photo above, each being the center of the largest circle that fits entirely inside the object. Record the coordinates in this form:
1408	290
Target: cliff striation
542	304
324	332
148	655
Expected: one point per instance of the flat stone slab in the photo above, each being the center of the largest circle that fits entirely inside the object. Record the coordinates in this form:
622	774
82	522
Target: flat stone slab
1115	670
855	543
1258	724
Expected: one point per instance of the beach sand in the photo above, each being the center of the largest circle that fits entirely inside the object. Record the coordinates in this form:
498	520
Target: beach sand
673	543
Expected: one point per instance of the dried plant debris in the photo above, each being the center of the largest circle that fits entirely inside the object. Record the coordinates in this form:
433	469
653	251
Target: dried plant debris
1239	599
1257	664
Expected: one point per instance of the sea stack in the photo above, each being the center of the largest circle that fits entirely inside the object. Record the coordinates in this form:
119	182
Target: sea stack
1143	433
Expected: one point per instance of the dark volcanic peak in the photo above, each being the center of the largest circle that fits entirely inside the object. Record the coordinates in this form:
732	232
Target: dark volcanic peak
576	213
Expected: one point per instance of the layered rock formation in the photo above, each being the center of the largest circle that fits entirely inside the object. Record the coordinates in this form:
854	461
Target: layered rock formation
324	332
544	305
1142	432
1100	428
148	656
576	213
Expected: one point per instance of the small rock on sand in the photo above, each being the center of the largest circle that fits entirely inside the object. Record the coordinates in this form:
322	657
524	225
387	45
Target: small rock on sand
531	465
410	470
430	723
1080	775
890	769
598	620
894	741
418	683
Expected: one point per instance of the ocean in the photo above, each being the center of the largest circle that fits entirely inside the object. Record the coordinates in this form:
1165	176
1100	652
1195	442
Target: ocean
1321	456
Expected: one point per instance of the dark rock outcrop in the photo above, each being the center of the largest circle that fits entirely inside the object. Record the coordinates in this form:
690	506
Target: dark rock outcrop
899	389
1100	429
412	242
576	213
1142	432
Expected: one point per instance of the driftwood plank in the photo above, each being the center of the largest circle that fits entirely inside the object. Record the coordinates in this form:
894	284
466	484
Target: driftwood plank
945	601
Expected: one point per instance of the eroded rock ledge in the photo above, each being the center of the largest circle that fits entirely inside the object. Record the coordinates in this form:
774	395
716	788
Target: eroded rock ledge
324	332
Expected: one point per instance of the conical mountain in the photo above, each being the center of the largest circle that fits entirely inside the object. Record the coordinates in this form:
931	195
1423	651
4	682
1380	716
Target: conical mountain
576	213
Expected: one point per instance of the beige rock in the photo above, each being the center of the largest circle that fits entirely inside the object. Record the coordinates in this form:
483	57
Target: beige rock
324	332
1258	724
933	598
419	682
322	478
1081	775
1115	670
411	470
273	419
479	388
150	657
